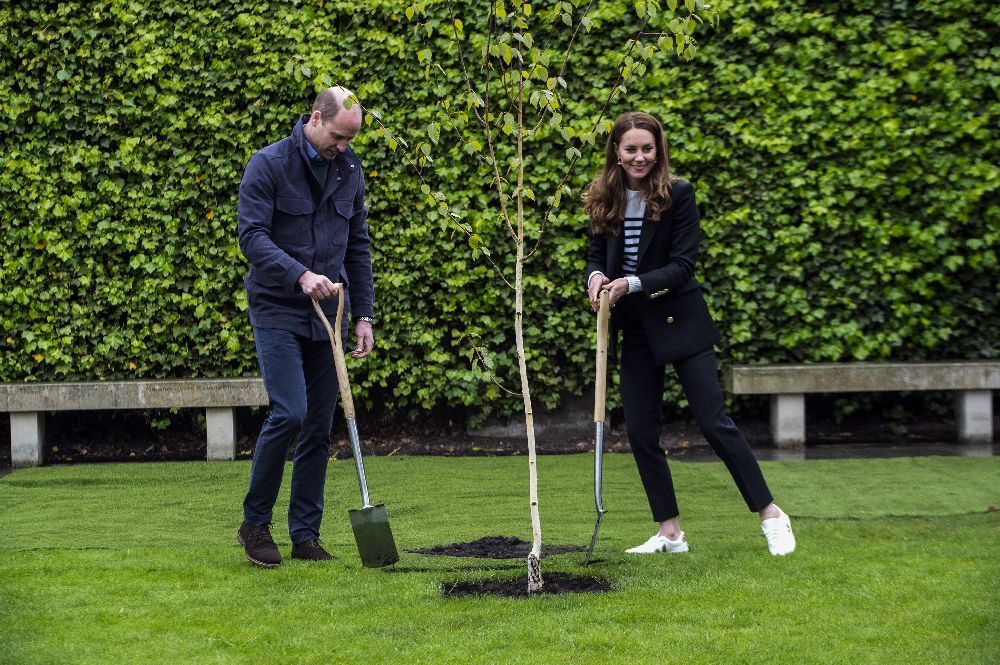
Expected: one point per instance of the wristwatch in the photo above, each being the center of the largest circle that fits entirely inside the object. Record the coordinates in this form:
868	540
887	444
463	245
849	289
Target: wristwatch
366	319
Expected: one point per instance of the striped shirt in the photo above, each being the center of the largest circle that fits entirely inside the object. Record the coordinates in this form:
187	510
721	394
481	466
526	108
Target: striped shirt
635	207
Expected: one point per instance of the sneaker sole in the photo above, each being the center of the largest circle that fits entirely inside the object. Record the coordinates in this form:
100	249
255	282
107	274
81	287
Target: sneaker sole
685	551
252	560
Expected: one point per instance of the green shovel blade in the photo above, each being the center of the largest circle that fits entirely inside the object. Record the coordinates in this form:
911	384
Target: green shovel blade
374	537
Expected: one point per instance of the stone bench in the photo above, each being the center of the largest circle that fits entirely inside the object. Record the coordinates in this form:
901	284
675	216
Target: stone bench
27	404
787	385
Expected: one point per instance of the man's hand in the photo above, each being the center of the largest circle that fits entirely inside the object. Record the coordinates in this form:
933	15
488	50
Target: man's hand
366	340
316	286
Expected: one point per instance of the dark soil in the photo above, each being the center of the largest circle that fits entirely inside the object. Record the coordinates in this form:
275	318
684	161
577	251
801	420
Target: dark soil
495	547
553	583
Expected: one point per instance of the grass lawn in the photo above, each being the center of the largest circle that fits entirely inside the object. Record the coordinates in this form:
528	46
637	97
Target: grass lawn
898	562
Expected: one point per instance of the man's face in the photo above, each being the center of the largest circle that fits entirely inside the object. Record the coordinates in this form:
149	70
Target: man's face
331	137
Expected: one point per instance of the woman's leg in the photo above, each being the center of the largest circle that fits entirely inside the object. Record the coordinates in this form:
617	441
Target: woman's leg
699	378
642	401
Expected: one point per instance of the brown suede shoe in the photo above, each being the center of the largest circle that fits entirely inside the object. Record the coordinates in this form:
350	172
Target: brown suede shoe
310	550
258	545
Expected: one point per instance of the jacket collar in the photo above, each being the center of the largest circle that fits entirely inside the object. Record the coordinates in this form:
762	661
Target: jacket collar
616	248
298	136
341	167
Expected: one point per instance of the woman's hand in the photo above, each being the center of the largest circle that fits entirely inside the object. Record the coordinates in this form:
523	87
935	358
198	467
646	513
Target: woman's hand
597	282
616	289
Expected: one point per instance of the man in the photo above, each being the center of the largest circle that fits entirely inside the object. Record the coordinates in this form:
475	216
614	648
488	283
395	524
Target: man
303	227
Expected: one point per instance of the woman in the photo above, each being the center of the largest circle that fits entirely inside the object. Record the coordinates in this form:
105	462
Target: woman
644	236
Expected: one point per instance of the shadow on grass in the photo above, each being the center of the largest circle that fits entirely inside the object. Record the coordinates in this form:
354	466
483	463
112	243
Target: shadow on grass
451	569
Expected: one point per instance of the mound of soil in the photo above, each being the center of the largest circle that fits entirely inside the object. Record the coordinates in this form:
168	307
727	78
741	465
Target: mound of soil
495	547
553	583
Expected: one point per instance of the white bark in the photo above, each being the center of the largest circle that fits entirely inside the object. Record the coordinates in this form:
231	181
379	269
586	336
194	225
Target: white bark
535	582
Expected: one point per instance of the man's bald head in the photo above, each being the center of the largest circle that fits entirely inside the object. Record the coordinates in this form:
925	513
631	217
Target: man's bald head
332	126
330	102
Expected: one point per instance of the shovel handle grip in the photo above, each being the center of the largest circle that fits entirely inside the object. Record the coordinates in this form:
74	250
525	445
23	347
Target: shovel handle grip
601	383
347	403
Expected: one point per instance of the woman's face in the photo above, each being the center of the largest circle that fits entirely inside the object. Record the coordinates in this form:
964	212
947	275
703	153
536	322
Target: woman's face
637	153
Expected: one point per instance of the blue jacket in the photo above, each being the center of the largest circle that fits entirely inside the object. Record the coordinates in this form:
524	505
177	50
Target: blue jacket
288	224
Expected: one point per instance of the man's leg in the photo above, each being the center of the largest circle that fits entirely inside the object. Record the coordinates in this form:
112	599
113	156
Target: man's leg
312	450
280	355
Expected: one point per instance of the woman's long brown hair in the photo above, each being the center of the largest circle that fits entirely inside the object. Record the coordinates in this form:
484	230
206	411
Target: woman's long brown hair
604	198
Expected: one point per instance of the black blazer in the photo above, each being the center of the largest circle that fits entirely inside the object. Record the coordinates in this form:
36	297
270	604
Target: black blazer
674	314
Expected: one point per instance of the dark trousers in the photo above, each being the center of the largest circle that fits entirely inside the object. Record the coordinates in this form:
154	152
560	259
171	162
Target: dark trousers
642	382
301	383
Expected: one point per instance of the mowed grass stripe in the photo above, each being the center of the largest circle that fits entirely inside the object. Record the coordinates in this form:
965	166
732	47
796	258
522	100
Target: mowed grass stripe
897	563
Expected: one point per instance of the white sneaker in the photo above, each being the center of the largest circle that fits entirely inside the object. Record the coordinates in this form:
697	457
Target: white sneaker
660	543
778	531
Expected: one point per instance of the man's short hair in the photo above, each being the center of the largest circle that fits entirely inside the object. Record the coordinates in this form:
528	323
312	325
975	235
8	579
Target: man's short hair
329	102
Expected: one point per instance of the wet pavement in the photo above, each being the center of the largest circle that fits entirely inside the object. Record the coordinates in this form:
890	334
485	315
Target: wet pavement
847	451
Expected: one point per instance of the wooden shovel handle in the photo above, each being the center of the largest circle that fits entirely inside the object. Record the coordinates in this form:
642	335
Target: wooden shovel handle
338	349
601	384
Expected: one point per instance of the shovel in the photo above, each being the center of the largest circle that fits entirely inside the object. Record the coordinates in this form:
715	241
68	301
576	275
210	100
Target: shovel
600	393
370	523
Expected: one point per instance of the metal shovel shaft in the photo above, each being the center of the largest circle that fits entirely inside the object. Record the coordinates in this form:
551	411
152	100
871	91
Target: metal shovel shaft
598	466
352	431
598	472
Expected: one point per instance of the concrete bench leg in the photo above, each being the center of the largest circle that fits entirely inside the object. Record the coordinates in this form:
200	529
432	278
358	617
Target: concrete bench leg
974	414
221	426
788	420
27	438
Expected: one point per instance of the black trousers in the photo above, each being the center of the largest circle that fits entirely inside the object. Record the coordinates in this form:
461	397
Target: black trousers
642	383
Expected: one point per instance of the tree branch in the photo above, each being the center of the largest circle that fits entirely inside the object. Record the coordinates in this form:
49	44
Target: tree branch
600	116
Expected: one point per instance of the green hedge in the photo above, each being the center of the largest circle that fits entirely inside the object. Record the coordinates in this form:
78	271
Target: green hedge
844	156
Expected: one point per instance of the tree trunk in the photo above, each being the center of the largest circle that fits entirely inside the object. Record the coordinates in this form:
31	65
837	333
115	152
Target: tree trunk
534	568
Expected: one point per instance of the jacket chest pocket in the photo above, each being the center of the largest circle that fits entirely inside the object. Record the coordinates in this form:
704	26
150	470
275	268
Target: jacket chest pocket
292	222
339	221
